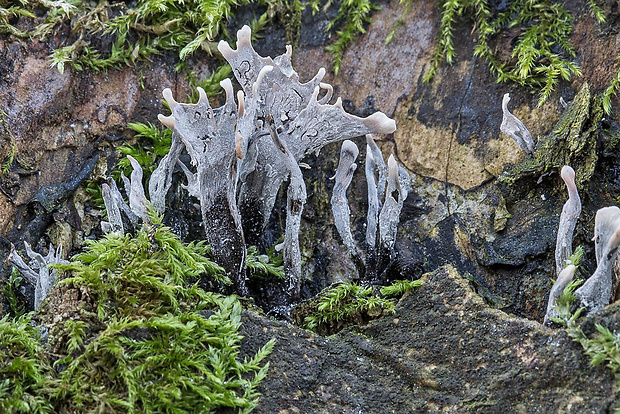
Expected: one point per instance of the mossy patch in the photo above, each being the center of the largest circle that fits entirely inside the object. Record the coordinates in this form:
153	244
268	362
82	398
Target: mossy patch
573	141
134	337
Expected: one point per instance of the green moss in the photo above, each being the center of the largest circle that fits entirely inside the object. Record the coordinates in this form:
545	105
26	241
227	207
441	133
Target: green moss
345	302
141	339
24	372
541	55
264	265
572	142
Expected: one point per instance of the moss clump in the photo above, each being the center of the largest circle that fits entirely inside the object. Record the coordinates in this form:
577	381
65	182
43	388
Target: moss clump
137	339
24	372
542	53
572	142
348	303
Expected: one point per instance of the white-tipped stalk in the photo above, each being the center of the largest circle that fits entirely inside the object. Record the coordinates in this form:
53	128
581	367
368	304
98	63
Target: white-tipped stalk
514	128
568	220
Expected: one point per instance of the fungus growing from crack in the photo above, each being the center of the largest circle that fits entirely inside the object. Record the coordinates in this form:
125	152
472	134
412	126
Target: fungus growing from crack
302	118
560	284
385	221
514	128
395	195
116	206
37	273
248	149
595	293
568	220
376	179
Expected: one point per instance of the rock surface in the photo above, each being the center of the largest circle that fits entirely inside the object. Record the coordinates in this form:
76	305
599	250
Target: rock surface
443	350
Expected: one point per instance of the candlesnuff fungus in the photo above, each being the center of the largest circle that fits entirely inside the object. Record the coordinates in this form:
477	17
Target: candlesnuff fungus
340	204
303	118
44	279
115	205
560	284
514	128
376	180
385	221
243	152
295	201
208	135
596	291
568	220
395	195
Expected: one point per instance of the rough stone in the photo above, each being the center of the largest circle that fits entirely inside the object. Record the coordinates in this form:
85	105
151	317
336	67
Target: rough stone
443	350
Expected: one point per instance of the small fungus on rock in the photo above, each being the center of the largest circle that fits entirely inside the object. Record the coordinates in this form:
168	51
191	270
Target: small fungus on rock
596	292
514	128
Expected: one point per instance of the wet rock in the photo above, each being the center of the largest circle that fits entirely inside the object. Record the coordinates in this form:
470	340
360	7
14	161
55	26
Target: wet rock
443	350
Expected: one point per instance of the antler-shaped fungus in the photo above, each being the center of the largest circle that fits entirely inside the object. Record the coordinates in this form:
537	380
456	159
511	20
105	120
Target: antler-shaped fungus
340	204
303	120
596	291
208	134
44	279
514	128
295	201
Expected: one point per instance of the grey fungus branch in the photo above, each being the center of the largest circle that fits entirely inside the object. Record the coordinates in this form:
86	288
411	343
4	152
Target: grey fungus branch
568	220
382	217
564	278
38	272
340	204
564	242
595	293
514	128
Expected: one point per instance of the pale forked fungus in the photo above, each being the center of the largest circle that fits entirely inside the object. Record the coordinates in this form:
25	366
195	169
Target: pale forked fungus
596	291
295	201
209	136
514	128
560	284
44	279
395	195
568	220
305	121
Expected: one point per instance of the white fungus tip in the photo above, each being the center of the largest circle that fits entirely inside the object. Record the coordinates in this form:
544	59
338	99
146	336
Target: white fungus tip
568	174
240	102
226	84
505	101
166	120
225	49
244	36
380	123
202	96
349	146
339	103
169	98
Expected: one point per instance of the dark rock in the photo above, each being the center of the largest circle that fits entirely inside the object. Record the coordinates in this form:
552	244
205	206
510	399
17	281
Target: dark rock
444	350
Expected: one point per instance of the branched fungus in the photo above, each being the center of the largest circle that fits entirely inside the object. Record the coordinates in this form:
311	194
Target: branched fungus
208	135
340	204
303	119
43	280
